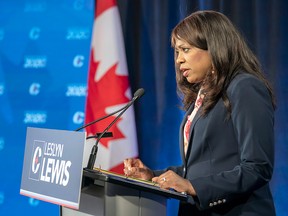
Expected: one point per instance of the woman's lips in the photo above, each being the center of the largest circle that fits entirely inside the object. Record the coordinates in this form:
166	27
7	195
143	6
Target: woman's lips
185	72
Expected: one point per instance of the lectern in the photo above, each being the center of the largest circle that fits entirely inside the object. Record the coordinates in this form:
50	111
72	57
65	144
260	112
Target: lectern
108	194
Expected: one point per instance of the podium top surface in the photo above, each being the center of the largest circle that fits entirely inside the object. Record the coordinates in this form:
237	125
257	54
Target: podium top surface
148	186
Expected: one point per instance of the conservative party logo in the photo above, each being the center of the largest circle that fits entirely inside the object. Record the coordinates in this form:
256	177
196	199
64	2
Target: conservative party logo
47	164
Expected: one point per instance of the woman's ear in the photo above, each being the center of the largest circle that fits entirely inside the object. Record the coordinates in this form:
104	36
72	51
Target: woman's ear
213	69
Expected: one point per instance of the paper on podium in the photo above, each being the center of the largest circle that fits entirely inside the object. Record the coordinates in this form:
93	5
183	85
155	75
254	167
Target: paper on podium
113	177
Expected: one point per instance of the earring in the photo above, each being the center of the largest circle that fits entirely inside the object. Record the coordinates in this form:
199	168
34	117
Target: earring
212	71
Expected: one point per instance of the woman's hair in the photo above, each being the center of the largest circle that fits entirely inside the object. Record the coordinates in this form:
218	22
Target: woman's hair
214	32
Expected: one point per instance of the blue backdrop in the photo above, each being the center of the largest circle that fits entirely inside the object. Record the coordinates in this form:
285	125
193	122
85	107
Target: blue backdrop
44	52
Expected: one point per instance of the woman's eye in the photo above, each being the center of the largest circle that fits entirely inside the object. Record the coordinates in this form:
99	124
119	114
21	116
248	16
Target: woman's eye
185	49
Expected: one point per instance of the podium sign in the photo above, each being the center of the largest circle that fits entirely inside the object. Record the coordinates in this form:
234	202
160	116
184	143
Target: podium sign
52	167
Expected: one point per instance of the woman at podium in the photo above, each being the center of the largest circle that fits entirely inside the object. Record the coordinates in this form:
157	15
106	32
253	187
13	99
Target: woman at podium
227	134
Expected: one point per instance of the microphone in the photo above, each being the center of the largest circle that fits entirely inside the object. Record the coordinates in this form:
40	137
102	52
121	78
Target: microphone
97	120
139	93
107	134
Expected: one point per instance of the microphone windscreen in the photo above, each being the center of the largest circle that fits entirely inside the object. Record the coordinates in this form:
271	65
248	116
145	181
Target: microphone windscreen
139	93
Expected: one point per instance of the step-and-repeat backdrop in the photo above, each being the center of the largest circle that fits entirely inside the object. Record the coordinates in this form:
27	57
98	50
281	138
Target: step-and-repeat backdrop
44	58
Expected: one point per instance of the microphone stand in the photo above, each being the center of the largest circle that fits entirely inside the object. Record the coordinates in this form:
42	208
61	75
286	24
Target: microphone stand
104	117
107	134
92	157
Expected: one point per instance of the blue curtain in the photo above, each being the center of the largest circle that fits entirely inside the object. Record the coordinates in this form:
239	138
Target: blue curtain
57	33
147	25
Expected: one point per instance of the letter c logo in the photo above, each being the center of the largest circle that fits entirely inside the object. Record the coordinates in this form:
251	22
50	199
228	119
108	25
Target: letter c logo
36	163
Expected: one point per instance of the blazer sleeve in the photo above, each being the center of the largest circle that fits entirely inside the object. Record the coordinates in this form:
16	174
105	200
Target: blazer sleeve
176	169
253	121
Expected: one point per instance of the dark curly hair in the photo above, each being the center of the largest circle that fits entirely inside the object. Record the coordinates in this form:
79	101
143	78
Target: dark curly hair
214	32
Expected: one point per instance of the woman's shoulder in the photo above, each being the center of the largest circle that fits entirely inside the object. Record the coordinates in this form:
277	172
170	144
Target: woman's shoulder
244	77
245	81
245	84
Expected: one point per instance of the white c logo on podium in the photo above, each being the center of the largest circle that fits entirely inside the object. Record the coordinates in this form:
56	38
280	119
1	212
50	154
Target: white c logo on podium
35	163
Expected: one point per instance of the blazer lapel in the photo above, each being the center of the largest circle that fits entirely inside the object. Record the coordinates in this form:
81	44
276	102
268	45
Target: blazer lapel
181	132
195	119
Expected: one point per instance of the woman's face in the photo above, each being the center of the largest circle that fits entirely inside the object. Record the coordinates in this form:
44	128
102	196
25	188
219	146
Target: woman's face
193	63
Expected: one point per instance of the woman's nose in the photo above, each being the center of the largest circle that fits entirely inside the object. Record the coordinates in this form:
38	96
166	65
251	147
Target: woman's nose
179	58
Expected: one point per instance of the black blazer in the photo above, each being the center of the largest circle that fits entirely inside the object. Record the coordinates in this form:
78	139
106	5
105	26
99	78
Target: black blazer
230	162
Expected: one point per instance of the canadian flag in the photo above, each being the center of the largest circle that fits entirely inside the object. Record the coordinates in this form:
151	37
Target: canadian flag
109	90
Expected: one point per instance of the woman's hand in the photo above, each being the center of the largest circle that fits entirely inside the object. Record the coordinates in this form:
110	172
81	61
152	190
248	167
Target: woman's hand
136	169
170	180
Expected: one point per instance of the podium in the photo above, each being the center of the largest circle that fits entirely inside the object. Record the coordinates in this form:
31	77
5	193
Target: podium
108	194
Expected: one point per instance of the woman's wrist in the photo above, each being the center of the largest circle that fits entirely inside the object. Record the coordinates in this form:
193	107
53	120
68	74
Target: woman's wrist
190	189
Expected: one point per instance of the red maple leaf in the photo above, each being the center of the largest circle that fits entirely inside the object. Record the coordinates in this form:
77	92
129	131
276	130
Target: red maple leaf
108	91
